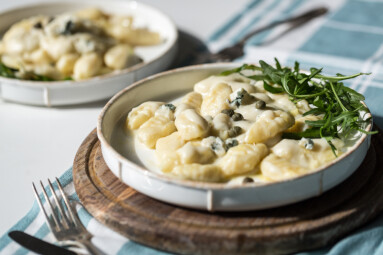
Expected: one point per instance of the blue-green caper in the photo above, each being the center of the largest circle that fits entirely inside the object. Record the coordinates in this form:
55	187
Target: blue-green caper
229	112
260	104
247	179
237	116
234	131
231	143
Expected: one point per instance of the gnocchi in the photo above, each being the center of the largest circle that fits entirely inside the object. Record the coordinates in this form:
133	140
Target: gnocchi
229	130
140	114
269	124
191	125
79	45
155	128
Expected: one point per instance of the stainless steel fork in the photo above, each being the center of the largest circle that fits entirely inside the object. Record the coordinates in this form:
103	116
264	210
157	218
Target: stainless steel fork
237	50
64	222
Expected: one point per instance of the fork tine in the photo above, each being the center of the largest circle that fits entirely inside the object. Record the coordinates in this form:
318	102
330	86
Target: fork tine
70	209
65	217
51	227
54	214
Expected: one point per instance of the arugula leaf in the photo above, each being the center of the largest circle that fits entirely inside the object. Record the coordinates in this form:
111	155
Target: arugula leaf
339	105
271	89
240	69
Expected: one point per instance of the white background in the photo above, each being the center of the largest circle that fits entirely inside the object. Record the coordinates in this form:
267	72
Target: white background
39	143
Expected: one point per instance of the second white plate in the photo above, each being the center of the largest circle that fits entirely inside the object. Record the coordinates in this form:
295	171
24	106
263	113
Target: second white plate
156	58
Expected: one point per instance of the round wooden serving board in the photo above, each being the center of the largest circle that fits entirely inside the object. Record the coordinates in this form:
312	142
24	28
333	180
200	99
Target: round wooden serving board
302	226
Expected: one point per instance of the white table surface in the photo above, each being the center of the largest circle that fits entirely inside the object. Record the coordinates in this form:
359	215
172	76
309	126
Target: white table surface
39	143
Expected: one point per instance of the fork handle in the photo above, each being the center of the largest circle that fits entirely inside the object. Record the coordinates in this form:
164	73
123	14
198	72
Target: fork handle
90	247
311	14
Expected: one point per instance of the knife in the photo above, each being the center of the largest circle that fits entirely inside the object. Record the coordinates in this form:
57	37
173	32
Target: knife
37	245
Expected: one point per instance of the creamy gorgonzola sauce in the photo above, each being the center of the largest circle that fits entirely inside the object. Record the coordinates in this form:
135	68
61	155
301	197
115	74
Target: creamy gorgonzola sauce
229	129
78	45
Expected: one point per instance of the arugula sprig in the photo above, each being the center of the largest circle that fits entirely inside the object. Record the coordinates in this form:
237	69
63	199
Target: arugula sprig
339	105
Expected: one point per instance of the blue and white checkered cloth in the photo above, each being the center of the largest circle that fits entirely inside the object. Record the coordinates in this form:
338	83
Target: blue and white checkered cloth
349	39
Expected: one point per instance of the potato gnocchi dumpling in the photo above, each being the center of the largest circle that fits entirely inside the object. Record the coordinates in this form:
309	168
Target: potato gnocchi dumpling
229	129
77	45
140	114
198	172
191	125
269	124
155	128
193	152
290	158
242	158
165	148
193	99
216	99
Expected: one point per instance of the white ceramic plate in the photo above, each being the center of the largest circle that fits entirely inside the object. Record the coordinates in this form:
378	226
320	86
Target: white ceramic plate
156	58
202	195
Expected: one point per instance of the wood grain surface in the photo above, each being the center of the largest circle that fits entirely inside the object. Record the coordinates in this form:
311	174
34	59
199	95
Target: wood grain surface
302	226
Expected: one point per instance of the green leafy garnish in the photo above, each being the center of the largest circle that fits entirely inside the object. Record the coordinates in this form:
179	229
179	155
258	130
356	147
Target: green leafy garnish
339	105
8	72
37	77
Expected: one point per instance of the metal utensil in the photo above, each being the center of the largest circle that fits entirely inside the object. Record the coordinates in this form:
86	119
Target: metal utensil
37	245
65	224
232	52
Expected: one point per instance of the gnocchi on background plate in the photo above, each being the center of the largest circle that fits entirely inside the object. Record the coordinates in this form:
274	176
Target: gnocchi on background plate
77	45
229	129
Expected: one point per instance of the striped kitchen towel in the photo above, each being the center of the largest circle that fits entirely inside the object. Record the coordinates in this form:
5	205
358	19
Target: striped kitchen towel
347	40
367	240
